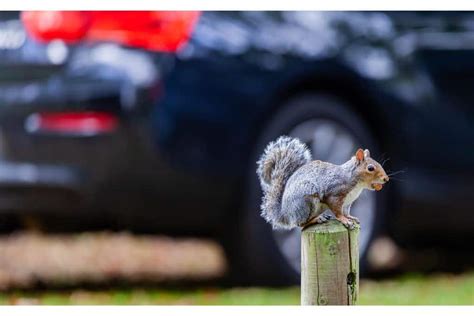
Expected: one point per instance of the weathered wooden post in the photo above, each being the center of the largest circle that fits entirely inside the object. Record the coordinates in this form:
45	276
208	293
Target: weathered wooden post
329	264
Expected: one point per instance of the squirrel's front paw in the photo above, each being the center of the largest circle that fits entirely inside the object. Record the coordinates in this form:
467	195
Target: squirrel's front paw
346	222
350	224
355	219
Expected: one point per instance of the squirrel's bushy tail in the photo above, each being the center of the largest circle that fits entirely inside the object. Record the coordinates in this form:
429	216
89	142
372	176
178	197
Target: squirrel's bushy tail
279	161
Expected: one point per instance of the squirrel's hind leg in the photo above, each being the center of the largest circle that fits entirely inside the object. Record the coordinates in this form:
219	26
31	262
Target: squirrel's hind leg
316	215
320	219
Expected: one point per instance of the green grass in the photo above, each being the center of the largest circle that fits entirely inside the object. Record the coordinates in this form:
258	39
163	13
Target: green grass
405	290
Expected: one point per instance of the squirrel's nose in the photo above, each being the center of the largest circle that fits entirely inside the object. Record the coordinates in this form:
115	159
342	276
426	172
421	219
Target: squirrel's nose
385	179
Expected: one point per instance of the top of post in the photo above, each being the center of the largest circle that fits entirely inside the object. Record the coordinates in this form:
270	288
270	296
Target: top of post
331	226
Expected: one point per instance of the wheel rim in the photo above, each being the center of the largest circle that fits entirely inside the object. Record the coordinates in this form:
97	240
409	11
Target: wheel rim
328	141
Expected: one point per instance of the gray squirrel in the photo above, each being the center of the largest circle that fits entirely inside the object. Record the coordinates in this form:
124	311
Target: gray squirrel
297	190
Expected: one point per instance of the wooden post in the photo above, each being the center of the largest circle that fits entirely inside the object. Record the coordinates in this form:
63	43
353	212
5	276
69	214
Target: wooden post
329	264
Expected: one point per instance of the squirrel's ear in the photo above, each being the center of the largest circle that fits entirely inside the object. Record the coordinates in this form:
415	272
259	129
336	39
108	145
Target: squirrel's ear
366	153
359	154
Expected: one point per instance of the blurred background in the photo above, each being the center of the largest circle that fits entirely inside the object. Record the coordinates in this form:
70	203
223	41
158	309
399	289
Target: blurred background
128	143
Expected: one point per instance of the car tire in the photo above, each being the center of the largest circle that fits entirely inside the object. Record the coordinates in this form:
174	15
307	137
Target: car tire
256	257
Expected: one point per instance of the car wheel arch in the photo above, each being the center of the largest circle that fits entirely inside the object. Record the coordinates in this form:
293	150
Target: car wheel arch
357	92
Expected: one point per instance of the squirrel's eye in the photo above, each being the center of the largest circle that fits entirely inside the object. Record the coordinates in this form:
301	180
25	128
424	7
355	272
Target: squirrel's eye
370	168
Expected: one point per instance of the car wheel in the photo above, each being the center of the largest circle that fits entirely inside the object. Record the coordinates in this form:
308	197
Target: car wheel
333	132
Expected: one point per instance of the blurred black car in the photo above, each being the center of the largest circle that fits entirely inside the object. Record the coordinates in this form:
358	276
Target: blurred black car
99	134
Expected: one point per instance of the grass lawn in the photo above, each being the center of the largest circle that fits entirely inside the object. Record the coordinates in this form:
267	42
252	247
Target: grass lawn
405	290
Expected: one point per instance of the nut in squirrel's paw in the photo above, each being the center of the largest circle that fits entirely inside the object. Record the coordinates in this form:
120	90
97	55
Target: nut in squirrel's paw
297	189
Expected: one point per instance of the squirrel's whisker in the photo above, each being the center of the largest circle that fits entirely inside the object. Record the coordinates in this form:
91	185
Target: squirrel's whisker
397	179
395	172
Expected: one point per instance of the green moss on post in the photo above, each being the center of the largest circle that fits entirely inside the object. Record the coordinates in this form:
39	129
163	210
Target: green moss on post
329	265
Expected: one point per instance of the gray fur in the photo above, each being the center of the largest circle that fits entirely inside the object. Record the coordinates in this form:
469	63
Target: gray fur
279	161
318	179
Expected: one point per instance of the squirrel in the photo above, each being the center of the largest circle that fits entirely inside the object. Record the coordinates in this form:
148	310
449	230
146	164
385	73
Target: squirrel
298	190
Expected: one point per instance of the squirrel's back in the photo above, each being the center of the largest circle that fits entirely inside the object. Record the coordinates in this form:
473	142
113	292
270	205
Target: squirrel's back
279	161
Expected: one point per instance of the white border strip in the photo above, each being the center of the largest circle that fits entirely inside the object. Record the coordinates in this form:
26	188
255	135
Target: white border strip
236	5
237	310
